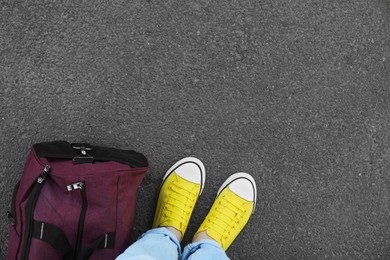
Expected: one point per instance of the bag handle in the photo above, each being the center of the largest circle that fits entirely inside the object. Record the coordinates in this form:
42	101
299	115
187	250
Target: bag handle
107	241
55	237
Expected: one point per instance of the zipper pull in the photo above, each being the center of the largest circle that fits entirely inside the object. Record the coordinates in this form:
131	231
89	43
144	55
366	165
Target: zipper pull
11	218
76	186
44	173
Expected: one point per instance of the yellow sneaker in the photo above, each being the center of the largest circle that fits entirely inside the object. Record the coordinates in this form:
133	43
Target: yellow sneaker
180	189
235	202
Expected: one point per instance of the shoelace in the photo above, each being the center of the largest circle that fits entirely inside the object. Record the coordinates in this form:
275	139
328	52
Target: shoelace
228	215
179	203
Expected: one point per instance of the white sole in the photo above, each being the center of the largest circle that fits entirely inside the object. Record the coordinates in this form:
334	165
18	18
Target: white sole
239	175
188	160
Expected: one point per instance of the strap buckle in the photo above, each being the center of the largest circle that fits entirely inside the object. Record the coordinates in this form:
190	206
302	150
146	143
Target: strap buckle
84	157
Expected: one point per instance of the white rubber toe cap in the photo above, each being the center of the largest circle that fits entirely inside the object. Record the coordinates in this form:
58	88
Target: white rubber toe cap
190	169
243	185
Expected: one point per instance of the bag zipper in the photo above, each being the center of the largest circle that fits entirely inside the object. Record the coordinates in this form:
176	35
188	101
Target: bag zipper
80	186
12	214
29	212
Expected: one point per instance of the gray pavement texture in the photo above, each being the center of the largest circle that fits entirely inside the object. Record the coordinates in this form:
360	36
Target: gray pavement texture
294	92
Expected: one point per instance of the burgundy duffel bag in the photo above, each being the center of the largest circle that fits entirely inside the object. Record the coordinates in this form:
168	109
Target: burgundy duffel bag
74	201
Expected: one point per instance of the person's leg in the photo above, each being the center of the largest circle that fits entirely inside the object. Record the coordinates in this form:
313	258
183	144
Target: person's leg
235	202
180	189
204	249
158	243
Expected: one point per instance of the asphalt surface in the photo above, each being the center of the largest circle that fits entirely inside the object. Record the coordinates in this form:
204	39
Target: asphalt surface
294	92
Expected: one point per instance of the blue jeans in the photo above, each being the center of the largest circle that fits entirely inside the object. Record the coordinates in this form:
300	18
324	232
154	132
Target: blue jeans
161	244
